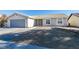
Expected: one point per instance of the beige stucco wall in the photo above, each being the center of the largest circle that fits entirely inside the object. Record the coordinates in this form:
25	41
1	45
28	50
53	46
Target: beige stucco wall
64	22
52	22
55	22
74	21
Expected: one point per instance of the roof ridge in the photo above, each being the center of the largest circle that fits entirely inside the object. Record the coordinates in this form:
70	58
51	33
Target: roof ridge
75	14
48	14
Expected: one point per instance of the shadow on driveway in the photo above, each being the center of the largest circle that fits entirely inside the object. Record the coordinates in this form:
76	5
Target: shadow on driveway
54	39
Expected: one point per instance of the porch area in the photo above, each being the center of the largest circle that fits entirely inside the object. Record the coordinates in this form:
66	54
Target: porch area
38	22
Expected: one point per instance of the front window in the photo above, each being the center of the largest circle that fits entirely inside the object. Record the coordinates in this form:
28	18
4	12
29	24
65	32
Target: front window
59	20
47	21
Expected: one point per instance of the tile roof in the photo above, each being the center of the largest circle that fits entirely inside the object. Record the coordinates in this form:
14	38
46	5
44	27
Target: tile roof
49	16
75	14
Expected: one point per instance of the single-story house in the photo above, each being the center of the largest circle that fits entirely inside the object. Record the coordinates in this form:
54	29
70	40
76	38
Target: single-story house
51	20
74	19
18	20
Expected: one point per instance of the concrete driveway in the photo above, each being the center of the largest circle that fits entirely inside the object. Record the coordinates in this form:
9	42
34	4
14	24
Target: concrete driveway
14	30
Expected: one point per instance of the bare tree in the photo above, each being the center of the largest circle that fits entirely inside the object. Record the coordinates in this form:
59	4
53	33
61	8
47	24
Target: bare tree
2	20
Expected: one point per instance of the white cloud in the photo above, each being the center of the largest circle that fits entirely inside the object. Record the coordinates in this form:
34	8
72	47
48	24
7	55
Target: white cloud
39	4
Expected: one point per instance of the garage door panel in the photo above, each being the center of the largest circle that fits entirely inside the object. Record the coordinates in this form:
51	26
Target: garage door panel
17	23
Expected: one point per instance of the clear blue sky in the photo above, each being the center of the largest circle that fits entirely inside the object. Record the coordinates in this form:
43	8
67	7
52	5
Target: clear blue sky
37	12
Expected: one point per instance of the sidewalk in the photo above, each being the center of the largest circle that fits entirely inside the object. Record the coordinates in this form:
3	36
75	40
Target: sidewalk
14	30
69	28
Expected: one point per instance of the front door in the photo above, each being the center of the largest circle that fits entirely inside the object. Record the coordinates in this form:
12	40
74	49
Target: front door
38	22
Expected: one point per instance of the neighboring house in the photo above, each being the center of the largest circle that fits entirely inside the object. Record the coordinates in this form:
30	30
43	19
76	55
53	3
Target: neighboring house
18	20
74	19
51	20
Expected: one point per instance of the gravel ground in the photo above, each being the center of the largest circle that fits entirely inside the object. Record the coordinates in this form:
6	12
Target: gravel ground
21	45
54	38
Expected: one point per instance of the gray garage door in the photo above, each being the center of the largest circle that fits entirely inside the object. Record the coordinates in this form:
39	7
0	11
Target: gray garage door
20	23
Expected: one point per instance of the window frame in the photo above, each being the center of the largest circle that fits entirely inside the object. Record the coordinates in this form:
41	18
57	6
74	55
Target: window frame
48	21
60	21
